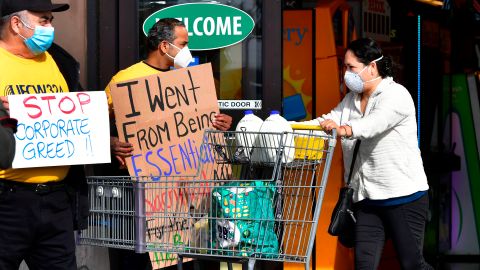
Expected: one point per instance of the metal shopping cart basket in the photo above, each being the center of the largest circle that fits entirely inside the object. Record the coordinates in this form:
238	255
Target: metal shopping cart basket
256	196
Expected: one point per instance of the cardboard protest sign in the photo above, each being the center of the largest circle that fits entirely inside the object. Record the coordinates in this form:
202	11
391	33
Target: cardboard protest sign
164	116
61	129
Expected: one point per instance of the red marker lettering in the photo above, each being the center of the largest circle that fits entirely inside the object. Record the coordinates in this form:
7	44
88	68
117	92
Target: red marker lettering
48	98
62	101
83	101
33	106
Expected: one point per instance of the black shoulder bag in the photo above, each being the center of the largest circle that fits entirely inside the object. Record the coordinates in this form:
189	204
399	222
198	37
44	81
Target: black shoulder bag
342	223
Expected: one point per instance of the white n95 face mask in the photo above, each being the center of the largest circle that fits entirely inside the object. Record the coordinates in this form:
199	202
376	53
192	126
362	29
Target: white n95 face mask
353	80
183	57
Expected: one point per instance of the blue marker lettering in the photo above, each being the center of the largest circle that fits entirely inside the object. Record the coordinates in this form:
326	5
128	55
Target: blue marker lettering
45	125
192	153
210	153
166	161
173	159
40	148
20	130
61	127
136	170
31	151
205	156
185	156
50	150
154	178
37	127
54	127
70	143
83	126
69	128
59	149
29	129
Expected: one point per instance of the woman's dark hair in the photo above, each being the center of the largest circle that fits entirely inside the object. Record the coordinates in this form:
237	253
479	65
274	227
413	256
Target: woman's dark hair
162	30
367	50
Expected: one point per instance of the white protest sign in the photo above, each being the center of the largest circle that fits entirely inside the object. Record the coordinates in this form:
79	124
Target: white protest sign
61	129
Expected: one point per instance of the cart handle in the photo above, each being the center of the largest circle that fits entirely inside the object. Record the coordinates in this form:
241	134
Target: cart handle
305	127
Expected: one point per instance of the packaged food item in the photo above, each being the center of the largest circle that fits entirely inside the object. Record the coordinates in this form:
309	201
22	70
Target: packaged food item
200	235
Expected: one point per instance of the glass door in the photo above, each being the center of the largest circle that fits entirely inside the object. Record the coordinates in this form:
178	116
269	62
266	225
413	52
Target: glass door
240	70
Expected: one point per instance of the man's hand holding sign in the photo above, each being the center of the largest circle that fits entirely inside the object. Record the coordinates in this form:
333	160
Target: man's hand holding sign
160	119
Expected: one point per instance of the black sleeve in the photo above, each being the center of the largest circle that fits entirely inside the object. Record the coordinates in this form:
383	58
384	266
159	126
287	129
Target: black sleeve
68	66
7	140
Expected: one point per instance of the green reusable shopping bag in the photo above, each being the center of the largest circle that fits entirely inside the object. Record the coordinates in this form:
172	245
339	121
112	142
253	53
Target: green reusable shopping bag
243	219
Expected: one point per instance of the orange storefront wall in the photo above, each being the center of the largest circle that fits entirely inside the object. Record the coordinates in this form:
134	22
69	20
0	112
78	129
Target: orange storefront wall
298	73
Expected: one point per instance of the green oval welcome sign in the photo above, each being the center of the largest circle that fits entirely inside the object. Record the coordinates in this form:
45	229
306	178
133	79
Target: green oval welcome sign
210	26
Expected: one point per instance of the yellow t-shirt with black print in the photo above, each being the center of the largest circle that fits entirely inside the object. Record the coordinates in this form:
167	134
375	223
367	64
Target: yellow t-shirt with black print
138	70
31	76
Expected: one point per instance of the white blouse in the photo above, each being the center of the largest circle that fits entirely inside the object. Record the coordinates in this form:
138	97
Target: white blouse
388	162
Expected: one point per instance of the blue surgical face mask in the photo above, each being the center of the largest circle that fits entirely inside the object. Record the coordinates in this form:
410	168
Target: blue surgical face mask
41	40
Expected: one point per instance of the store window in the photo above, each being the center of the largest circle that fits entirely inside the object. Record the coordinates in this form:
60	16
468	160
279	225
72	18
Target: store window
237	69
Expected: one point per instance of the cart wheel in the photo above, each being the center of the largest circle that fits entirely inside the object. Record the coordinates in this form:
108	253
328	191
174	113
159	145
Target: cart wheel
196	265
251	264
179	262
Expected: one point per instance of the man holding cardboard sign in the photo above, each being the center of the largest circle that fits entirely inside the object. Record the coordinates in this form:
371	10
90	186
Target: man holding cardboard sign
167	45
160	116
36	223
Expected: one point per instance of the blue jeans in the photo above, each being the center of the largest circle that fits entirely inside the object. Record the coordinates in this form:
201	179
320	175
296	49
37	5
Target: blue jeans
404	224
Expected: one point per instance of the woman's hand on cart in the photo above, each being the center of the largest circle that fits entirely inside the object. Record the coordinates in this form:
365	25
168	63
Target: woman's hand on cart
121	150
222	121
343	131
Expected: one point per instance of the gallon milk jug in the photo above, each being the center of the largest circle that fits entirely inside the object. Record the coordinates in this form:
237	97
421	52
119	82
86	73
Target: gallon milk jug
245	135
269	143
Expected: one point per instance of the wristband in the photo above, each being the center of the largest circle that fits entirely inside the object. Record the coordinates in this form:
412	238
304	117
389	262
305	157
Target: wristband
9	123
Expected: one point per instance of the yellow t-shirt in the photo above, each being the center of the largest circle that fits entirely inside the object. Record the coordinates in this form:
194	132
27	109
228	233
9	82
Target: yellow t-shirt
31	76
137	70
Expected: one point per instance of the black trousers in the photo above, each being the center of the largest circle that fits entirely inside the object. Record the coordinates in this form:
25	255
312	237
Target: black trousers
404	224
36	226
121	259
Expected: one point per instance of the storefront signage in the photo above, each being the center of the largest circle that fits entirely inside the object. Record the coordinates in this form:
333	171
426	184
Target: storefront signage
240	104
210	26
377	20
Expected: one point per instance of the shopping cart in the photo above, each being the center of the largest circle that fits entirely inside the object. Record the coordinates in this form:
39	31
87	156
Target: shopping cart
256	196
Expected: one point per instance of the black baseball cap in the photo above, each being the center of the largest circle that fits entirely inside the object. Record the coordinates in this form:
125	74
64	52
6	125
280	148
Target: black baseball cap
12	6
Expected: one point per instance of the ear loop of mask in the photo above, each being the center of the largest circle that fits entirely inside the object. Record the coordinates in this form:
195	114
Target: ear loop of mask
175	48
374	61
26	25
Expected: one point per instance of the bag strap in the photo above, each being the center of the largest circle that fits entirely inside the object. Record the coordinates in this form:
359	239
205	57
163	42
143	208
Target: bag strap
355	151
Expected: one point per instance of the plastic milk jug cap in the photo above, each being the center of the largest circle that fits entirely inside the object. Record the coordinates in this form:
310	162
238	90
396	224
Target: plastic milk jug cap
248	112
274	112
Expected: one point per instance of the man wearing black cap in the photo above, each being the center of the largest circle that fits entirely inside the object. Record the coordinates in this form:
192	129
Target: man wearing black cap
36	222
